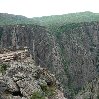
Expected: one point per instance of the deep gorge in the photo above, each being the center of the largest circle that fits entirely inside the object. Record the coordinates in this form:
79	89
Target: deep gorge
71	53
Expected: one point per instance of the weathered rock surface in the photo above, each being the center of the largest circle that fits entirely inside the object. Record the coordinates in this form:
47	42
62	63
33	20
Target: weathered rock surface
22	79
41	44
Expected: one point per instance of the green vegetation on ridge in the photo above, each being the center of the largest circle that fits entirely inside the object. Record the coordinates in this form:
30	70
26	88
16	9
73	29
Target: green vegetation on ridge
10	19
57	20
51	22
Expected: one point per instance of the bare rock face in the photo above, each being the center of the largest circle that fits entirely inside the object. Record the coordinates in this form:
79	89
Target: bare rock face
41	44
3	86
24	80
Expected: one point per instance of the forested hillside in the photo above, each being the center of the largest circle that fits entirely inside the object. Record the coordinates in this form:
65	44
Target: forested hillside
56	20
10	19
64	19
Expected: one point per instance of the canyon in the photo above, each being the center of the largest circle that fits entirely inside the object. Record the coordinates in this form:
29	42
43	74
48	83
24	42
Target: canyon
70	51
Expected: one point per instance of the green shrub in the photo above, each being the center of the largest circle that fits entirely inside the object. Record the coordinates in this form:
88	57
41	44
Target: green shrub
98	97
3	67
37	95
46	92
50	92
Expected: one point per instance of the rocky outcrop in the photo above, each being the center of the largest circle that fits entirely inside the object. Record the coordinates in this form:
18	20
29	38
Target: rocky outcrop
6	57
24	80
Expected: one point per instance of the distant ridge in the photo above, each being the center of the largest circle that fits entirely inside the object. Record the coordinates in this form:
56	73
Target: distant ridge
10	19
49	21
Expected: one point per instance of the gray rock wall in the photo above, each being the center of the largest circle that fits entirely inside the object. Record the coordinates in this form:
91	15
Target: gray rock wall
41	44
72	57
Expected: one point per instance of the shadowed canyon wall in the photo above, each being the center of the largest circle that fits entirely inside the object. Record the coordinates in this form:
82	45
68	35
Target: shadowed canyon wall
71	53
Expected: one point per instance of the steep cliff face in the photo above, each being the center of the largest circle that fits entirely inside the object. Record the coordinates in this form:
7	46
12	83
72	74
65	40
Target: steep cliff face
41	44
89	91
79	45
71	54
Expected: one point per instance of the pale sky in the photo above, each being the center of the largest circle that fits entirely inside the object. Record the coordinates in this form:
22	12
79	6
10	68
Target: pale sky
37	8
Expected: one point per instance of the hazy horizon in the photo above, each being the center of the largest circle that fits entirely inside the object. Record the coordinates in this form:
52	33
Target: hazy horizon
45	15
39	8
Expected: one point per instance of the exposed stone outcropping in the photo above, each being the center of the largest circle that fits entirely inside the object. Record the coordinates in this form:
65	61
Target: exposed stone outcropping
8	56
22	80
